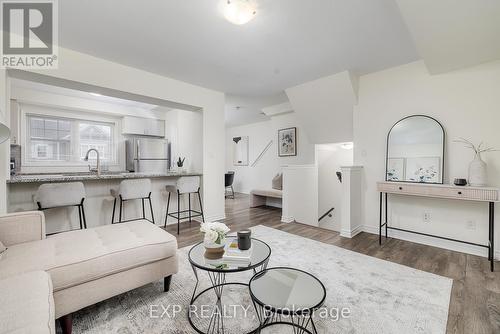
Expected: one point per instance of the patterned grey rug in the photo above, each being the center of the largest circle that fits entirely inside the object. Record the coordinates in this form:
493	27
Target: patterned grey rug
380	296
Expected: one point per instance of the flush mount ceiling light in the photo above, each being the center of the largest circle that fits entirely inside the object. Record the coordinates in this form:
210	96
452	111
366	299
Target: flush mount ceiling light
240	11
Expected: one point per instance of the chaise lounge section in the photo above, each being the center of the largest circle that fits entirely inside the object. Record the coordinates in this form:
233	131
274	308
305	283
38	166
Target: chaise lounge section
86	266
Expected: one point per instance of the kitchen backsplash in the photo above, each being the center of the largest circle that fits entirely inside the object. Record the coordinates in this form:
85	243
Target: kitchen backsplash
15	159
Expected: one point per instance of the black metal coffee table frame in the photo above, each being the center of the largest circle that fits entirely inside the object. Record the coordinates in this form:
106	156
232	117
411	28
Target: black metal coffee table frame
218	281
299	319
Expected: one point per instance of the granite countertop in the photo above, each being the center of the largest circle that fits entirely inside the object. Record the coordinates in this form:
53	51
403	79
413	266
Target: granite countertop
67	177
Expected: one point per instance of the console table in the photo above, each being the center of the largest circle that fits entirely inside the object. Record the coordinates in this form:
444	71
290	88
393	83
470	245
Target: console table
478	194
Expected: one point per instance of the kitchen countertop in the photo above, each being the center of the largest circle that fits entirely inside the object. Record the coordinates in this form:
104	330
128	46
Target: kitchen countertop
68	177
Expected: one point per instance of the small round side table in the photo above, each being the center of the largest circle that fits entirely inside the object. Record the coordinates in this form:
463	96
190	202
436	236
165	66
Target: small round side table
217	270
289	293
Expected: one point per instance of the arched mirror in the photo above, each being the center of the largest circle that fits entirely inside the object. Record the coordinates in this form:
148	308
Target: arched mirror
415	150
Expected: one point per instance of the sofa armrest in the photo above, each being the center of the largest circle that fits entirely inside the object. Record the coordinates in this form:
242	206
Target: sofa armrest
19	227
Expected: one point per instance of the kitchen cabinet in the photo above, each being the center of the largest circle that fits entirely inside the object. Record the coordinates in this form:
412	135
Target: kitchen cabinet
143	126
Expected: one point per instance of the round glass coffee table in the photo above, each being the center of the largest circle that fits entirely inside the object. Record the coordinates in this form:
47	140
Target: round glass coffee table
293	294
217	270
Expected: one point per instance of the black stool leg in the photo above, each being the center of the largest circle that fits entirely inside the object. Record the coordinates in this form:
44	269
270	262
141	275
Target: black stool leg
80	216
178	212
120	213
113	216
83	214
143	211
151	207
189	200
201	206
168	205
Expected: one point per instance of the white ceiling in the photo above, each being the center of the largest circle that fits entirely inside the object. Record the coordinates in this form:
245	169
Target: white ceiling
81	94
451	34
243	110
288	42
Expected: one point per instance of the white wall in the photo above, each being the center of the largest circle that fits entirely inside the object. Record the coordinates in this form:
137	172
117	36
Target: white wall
329	159
324	107
300	194
79	67
184	130
467	103
248	177
4	147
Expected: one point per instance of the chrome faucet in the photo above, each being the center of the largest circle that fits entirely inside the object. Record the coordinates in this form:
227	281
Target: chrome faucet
98	163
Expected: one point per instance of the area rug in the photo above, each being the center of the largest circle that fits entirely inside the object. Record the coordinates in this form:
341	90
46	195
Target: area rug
364	295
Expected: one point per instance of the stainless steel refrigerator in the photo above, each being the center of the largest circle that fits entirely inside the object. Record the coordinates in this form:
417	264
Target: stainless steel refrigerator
147	155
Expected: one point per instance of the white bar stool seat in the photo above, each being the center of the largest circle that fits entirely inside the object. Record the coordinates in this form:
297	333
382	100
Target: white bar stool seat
58	195
184	185
131	190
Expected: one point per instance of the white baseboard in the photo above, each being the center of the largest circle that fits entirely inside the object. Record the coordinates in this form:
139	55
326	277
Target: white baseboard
214	218
287	219
351	233
430	241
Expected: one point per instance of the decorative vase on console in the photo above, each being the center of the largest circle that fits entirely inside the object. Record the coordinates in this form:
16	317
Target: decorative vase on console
478	174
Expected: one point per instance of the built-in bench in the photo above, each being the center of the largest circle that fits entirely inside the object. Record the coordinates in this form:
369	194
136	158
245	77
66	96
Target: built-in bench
258	197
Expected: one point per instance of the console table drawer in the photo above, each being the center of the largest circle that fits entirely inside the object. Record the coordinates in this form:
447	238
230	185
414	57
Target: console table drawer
439	191
402	188
467	194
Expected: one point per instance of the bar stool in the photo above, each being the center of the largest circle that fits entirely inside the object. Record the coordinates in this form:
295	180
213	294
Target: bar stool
184	185
58	195
131	190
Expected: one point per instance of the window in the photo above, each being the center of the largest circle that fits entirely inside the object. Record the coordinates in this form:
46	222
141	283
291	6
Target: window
60	141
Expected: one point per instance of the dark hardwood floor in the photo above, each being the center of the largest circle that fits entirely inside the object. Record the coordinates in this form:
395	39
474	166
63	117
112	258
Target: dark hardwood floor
475	298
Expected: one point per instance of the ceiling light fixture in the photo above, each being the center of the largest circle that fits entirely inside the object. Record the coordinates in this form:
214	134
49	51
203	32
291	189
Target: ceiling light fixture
240	11
95	94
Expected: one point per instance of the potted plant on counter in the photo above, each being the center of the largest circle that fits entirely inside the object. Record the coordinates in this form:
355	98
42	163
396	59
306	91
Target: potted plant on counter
180	164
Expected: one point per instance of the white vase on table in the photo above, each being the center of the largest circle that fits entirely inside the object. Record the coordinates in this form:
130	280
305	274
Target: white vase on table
478	176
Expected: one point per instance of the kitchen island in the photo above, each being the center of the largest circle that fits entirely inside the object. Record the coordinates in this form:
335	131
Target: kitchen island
98	202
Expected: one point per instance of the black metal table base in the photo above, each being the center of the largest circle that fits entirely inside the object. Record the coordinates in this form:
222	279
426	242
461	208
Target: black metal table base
301	323
491	230
218	282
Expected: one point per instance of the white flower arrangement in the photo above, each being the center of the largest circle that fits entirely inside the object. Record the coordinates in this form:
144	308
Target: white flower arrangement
215	232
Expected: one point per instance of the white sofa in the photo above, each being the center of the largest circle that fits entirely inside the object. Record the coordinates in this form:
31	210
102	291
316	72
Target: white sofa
27	304
85	266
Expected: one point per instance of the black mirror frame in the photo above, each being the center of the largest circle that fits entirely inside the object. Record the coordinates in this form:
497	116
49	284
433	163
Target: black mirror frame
387	150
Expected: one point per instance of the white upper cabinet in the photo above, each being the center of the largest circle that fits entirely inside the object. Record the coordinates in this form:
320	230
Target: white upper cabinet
143	126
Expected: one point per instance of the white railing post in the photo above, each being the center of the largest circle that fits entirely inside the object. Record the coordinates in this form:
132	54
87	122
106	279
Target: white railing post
351	218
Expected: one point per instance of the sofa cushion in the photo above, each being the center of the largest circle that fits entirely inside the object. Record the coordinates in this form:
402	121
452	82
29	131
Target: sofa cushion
27	304
76	257
267	193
